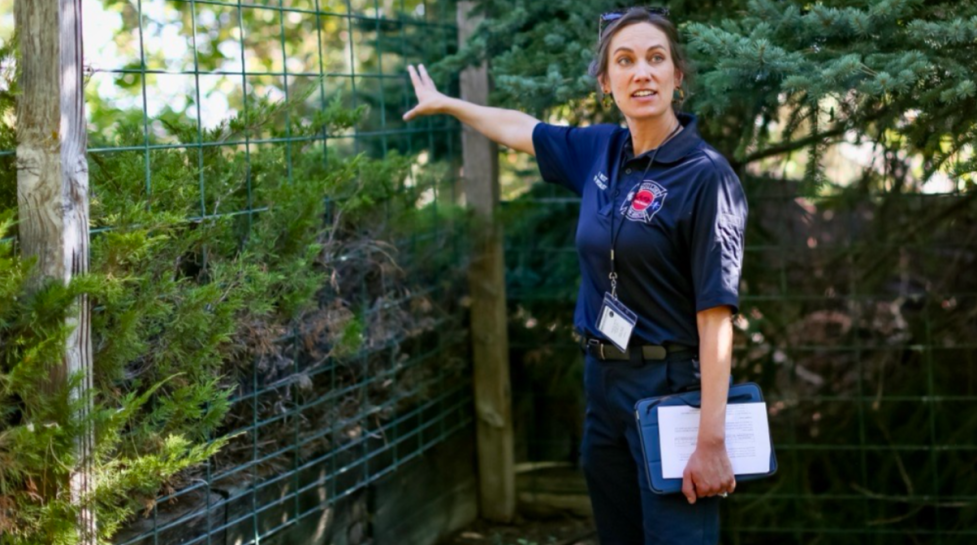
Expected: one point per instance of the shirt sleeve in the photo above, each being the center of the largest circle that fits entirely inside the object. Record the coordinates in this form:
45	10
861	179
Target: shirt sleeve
564	154
719	222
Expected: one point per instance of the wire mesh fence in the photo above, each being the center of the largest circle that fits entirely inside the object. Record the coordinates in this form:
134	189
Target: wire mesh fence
857	314
212	83
856	319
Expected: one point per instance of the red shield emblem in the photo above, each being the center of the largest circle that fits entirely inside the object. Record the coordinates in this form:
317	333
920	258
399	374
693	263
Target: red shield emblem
643	200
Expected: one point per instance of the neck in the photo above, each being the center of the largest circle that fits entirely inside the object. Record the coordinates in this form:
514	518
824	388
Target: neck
649	134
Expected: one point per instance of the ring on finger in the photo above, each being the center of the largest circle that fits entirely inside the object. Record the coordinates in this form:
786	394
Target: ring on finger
724	495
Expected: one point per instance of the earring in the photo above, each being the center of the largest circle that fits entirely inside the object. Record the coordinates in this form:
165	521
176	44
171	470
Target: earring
678	95
608	100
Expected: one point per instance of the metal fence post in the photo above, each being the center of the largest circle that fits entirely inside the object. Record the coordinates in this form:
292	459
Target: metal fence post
493	404
52	195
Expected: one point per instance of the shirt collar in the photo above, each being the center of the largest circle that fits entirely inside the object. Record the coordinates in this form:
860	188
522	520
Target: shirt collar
675	149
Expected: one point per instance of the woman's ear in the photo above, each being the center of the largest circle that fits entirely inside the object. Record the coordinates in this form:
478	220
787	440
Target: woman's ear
603	84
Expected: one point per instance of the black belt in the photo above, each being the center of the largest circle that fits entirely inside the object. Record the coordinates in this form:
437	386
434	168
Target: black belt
607	351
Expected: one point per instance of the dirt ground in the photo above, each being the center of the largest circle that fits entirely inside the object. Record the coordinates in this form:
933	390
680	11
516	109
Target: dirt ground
562	531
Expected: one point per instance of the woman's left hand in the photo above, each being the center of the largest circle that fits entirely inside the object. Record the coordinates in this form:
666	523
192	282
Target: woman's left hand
708	473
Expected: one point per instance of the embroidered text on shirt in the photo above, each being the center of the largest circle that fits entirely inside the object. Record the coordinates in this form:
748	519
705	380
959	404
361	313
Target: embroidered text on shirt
601	180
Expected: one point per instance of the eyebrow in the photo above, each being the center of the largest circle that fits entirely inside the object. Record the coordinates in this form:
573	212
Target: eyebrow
626	48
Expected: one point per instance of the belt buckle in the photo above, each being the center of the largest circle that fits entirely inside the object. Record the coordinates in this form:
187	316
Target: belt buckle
600	347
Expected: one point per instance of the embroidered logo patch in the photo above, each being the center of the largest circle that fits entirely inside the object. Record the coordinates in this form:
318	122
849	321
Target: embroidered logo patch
644	201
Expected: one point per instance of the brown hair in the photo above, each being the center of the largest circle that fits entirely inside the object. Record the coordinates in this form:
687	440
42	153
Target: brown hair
635	15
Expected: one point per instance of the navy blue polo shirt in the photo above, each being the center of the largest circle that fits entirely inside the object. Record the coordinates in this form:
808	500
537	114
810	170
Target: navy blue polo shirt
680	246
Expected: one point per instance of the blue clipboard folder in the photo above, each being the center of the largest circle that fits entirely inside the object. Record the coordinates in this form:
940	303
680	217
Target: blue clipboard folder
647	415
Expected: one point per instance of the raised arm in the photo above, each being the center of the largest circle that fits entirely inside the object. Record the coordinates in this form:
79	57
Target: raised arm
510	128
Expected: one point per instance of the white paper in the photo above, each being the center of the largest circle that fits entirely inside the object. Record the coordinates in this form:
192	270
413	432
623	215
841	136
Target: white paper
616	327
747	437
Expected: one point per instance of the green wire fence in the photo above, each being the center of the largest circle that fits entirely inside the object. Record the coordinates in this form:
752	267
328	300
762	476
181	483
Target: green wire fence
857	310
856	319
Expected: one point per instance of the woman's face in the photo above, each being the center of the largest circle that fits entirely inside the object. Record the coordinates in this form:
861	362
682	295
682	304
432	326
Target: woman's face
640	72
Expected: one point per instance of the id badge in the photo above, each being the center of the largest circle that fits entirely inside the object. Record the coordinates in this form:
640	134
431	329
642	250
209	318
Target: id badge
616	322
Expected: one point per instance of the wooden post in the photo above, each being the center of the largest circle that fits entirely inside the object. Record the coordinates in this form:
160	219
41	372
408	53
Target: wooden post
52	194
486	281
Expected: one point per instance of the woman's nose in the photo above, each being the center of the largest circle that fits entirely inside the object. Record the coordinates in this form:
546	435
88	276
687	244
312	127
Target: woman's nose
642	71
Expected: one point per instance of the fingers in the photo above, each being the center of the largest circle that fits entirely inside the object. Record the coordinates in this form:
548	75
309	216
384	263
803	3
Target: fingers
425	90
726	487
688	488
415	79
706	480
702	487
706	491
419	77
425	77
728	480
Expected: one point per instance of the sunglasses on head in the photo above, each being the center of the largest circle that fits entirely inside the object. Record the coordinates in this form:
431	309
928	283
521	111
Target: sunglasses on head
611	16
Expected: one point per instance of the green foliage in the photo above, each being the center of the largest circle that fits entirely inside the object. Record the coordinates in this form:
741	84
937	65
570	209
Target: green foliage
773	77
823	71
199	262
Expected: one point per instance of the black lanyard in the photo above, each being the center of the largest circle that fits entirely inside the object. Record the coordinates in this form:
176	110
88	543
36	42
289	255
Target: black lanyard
616	232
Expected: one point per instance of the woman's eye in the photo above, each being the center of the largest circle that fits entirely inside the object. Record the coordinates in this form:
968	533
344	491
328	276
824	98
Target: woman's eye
624	60
658	58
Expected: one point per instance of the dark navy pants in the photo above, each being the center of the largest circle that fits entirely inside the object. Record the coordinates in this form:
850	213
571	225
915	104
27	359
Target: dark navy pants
626	511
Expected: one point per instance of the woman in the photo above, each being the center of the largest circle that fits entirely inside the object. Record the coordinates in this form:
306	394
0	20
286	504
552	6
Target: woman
660	233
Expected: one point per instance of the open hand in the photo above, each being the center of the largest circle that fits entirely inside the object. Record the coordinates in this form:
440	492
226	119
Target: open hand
708	473
429	99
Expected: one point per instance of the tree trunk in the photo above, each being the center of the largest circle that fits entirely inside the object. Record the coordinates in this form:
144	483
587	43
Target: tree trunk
52	195
489	325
